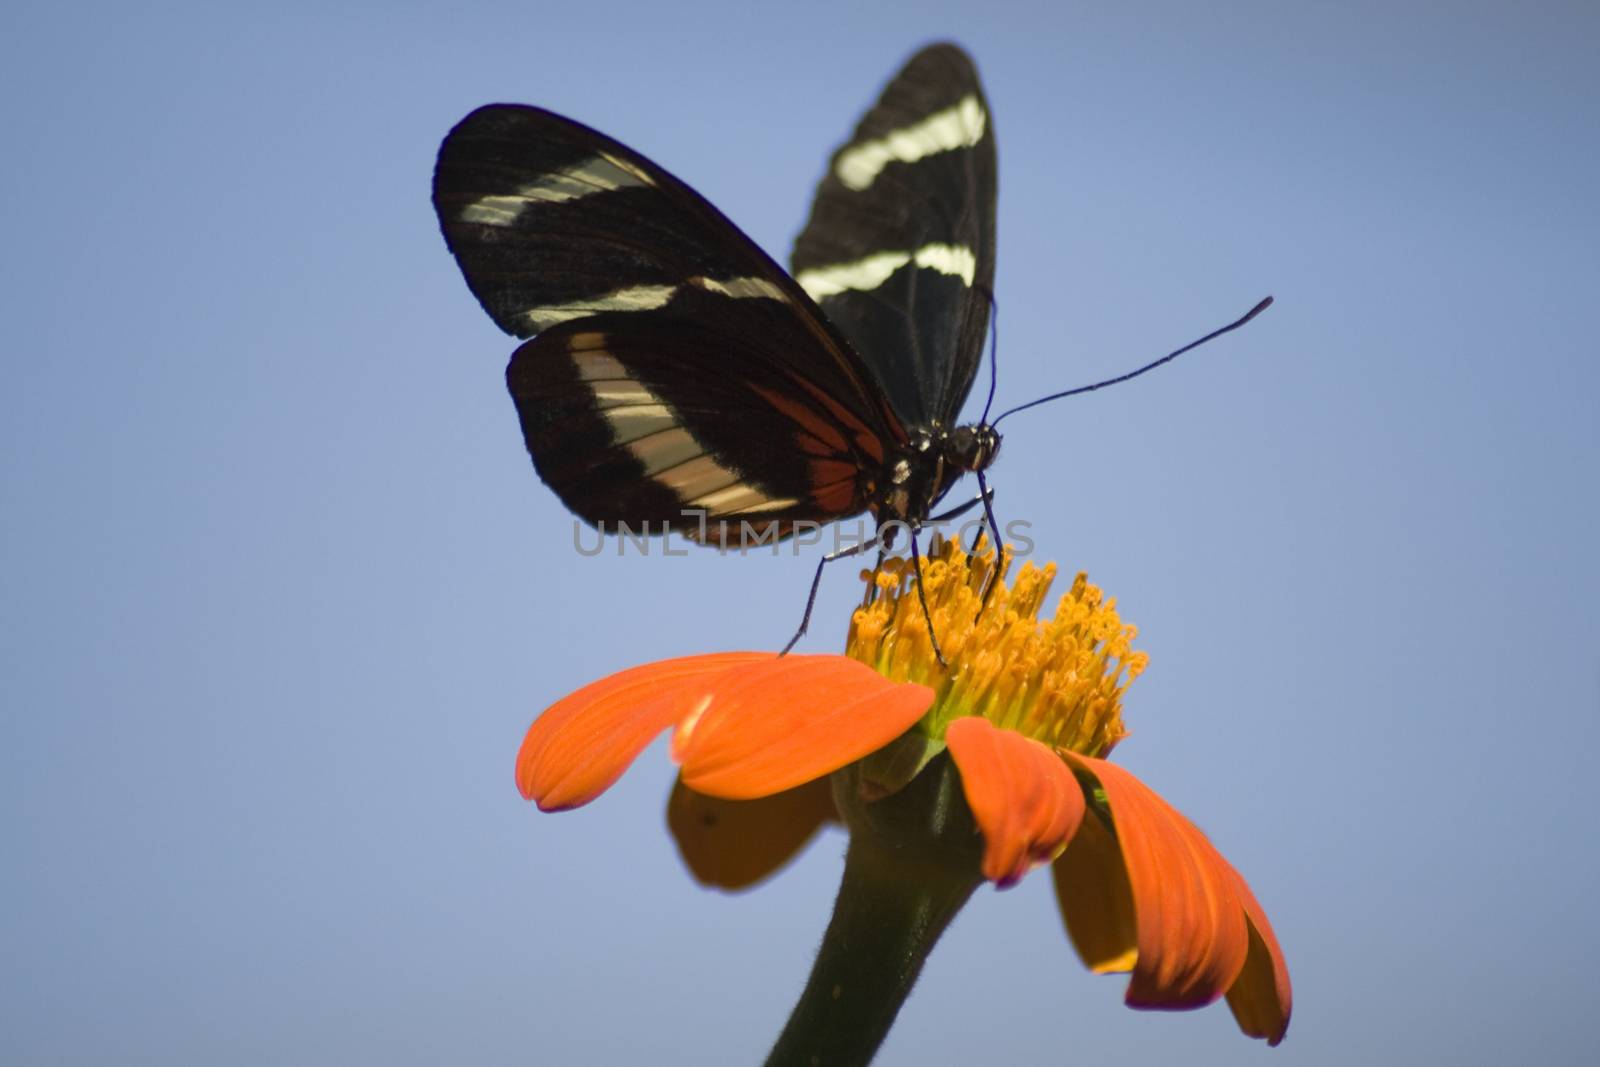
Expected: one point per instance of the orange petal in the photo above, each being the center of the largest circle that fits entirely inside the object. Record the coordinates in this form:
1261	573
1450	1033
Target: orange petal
1191	930
1260	998
1025	800
733	844
772	725
1096	900
583	742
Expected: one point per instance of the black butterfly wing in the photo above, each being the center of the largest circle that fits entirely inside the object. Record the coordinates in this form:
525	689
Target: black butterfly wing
636	421
674	365
899	250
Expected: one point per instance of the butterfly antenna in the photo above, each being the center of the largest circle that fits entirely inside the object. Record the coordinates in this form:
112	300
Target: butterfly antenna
1213	335
983	488
994	352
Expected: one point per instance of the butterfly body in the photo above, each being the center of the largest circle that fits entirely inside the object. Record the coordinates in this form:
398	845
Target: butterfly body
917	477
674	376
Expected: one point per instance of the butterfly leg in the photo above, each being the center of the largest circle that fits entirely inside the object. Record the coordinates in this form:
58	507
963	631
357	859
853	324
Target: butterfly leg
927	616
816	583
885	538
993	579
959	510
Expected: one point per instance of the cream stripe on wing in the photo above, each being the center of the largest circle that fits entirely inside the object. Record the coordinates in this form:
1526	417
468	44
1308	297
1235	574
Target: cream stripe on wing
647	298
739	288
740	499
868	273
630	422
949	259
597	174
960	126
863	274
589	342
664	450
647	426
637	417
635	298
613	393
697	478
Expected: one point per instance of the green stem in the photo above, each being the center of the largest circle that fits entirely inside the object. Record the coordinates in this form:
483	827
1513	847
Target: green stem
910	867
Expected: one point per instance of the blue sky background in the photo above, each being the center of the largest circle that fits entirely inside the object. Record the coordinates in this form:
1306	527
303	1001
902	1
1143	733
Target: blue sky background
281	591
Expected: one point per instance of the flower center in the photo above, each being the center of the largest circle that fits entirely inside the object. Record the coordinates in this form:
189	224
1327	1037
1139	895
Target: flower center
1058	680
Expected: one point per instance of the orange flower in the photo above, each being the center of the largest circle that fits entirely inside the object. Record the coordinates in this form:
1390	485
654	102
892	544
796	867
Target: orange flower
771	748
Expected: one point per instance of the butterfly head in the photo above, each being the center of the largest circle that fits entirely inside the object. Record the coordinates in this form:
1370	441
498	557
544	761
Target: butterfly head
971	448
919	474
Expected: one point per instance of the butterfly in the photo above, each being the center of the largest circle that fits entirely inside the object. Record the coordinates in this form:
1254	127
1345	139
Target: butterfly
673	376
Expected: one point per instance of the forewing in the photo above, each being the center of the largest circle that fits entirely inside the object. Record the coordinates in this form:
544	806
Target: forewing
899	249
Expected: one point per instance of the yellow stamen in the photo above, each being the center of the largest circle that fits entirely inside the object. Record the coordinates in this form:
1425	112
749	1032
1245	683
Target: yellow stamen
1059	681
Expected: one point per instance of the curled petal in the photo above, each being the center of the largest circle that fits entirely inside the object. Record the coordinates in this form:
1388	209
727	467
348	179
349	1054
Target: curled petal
583	742
1096	900
774	724
1261	998
1191	934
733	844
1025	800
